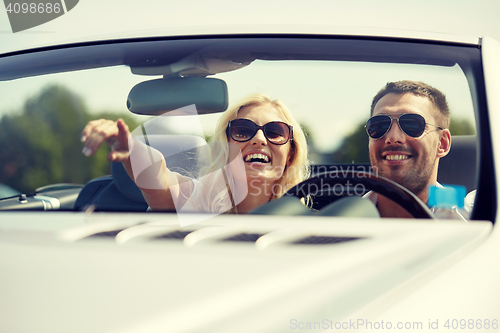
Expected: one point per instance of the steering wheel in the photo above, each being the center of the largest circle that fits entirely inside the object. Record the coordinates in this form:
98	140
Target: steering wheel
367	180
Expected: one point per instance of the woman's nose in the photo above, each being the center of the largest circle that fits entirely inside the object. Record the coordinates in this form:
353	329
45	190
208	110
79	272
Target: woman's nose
259	137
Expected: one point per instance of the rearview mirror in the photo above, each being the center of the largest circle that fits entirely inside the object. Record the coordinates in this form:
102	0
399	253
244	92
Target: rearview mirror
156	97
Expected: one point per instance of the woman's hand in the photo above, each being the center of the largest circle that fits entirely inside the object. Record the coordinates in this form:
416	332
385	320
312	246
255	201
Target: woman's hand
153	184
115	134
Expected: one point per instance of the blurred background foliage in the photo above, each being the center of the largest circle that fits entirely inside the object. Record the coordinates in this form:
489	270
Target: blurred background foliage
41	143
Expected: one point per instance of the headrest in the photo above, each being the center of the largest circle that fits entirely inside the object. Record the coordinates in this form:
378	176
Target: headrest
459	166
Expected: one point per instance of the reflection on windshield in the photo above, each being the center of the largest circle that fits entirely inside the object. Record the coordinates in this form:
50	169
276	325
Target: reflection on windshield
42	117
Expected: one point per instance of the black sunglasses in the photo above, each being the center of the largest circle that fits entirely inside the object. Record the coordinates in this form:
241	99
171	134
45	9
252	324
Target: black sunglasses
411	124
276	132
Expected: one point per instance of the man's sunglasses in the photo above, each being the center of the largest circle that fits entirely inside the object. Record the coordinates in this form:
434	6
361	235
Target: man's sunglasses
276	132
411	124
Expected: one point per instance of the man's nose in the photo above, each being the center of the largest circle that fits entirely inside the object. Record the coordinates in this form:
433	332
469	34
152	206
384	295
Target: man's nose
395	135
259	137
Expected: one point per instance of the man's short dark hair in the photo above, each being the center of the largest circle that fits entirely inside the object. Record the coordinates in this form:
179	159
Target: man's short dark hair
420	89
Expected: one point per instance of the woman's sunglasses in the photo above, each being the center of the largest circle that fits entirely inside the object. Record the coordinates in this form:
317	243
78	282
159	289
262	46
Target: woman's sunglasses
411	124
276	132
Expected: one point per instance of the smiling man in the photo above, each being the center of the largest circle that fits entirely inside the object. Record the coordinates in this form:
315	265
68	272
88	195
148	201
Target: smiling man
409	133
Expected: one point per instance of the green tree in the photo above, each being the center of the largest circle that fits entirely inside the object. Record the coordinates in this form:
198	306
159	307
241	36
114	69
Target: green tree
461	127
42	142
354	147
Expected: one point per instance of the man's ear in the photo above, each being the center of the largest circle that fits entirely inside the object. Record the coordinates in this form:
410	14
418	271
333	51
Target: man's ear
444	144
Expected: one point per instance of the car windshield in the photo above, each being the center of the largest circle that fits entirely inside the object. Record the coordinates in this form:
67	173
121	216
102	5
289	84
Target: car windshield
49	96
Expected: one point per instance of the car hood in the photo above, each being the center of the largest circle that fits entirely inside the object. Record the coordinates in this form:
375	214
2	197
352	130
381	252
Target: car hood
105	272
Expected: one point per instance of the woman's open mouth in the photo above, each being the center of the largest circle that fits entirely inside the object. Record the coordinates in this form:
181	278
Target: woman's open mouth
257	158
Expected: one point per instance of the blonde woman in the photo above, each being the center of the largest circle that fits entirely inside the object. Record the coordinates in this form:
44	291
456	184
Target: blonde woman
258	152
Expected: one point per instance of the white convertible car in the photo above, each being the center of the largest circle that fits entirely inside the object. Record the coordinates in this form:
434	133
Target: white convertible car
80	253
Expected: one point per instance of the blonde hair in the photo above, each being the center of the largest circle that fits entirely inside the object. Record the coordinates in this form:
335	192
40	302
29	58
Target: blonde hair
297	170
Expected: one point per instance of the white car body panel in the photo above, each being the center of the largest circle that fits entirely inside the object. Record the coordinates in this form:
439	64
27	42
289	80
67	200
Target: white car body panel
286	29
252	29
54	280
132	287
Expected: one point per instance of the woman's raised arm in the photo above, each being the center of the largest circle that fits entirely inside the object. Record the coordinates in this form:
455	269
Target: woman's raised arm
160	187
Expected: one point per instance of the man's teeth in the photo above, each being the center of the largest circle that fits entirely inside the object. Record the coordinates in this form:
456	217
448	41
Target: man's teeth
396	157
250	157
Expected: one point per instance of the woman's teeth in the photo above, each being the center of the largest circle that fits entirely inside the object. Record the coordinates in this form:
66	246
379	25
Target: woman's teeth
258	157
